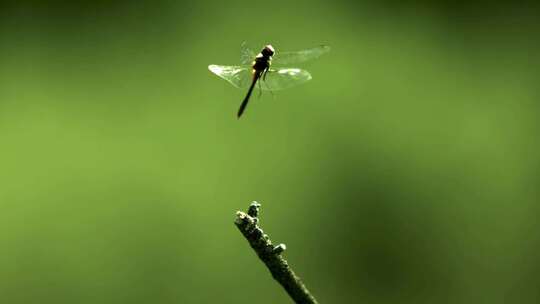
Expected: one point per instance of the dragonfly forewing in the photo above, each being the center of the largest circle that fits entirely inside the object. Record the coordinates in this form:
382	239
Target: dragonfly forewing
284	58
247	55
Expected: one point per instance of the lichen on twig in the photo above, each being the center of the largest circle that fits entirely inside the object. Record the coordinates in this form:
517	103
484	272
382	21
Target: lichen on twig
271	255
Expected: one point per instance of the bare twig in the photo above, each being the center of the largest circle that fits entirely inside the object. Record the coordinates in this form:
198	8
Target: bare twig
271	255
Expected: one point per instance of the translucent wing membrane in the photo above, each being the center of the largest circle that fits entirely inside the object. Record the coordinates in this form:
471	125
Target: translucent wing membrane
284	78
276	79
247	55
282	58
238	76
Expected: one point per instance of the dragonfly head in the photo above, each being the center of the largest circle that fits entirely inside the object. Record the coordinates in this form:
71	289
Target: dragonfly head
268	51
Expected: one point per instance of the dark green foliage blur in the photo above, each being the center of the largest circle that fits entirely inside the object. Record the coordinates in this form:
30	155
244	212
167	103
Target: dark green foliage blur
406	171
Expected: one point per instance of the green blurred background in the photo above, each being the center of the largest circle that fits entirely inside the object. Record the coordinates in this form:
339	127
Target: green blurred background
406	171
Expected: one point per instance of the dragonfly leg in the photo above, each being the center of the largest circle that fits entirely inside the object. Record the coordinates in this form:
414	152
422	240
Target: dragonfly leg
264	80
268	88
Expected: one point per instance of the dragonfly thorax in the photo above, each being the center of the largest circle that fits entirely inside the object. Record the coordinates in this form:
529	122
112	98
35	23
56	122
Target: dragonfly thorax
263	59
268	51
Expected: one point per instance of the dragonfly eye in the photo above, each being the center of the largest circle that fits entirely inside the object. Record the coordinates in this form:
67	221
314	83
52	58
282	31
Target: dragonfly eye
268	50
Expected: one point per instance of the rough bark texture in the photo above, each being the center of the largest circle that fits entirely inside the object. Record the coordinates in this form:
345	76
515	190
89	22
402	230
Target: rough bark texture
271	255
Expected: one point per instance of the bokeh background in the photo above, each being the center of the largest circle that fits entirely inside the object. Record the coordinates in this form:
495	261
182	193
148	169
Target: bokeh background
406	171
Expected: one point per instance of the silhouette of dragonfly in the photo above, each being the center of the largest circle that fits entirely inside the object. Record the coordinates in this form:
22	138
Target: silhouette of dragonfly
259	67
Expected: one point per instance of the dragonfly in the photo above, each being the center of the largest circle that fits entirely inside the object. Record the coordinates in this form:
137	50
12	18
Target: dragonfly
257	68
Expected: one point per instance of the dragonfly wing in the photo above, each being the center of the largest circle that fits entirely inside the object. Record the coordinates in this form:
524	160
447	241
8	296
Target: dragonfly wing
247	55
284	78
300	56
238	76
276	79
